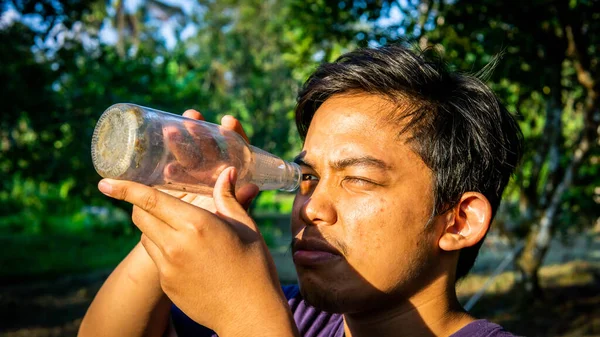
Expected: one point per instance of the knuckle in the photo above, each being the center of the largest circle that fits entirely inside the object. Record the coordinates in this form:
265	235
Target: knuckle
165	273
150	200
173	252
196	229
135	215
144	240
122	192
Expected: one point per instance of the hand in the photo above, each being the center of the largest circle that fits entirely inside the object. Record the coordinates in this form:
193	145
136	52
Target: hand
201	152
184	168
215	267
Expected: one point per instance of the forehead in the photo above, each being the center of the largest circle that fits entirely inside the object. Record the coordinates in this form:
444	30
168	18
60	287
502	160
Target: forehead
357	125
350	121
348	109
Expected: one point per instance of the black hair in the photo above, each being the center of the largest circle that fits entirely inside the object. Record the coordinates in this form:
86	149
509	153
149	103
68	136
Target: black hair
455	123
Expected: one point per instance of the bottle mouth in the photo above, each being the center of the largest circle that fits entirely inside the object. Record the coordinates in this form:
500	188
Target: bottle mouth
114	140
294	175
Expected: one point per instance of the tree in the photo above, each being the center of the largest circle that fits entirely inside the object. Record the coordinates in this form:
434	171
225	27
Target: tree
549	74
248	58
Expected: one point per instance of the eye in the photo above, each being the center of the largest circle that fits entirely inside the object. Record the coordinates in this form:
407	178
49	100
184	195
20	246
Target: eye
308	184
362	182
309	177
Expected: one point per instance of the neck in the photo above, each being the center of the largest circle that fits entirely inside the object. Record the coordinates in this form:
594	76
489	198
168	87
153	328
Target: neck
433	311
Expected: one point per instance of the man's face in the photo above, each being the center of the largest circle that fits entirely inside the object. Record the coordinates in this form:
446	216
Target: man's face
359	216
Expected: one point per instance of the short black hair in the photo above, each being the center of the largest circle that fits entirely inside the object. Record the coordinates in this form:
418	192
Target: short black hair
455	123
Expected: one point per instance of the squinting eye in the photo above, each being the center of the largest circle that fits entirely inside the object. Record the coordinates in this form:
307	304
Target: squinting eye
359	181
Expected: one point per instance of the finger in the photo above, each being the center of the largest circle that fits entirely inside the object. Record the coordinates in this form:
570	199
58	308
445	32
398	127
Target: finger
225	201
155	229
176	173
231	123
246	194
152	249
181	145
165	207
205	141
200	134
193	114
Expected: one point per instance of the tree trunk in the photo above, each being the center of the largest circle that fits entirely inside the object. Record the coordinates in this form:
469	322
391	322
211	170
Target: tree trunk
538	240
529	263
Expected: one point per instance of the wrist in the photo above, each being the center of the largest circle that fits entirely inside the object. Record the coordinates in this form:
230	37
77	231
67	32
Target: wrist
277	322
141	269
268	315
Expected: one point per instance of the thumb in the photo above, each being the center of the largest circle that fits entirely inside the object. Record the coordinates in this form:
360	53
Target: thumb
225	201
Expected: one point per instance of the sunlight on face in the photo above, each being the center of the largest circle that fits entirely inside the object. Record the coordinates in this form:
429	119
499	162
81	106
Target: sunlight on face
366	194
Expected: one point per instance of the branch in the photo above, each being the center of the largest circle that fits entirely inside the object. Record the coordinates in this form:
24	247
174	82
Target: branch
587	139
580	60
576	51
548	218
553	133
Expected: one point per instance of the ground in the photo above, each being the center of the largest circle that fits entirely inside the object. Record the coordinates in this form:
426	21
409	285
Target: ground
54	306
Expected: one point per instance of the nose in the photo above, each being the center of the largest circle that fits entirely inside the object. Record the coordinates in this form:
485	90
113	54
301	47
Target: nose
318	207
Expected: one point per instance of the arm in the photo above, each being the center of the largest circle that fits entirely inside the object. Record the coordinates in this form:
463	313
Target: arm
131	301
220	255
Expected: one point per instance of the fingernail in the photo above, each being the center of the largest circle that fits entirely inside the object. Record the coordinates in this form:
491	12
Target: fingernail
232	176
105	187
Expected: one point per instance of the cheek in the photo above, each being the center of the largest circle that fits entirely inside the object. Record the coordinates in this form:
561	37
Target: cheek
296	221
384	240
367	224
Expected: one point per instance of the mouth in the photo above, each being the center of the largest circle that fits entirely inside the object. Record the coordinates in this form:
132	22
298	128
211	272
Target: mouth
308	252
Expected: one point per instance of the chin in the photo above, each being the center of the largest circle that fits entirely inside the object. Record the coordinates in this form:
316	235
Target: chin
324	299
341	297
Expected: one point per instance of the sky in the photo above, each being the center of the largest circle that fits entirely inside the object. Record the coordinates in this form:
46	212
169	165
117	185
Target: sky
108	33
166	26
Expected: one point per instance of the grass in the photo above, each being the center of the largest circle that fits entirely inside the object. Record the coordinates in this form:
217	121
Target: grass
574	273
47	256
570	305
35	256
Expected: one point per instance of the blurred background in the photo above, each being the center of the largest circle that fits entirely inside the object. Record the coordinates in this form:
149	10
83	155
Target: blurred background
62	63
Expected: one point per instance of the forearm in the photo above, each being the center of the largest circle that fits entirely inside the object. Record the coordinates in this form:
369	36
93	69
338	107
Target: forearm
130	303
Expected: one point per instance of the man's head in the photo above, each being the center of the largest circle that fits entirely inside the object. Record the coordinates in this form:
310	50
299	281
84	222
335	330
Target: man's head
405	164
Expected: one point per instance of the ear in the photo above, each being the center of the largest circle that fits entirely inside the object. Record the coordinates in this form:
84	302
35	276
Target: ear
467	223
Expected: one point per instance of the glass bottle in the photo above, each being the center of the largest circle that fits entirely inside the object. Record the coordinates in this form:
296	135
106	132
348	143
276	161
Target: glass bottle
169	151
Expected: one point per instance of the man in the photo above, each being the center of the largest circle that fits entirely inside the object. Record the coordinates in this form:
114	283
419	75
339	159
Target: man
404	165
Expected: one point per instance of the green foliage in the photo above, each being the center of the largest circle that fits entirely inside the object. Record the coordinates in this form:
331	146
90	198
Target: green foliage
53	255
39	207
536	78
274	202
249	58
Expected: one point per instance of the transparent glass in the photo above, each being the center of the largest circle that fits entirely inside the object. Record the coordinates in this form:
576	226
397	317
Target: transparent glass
168	151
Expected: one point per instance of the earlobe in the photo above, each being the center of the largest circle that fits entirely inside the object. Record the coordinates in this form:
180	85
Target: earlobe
467	223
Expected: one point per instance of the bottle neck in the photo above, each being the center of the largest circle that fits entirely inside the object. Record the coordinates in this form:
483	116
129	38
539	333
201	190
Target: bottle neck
270	172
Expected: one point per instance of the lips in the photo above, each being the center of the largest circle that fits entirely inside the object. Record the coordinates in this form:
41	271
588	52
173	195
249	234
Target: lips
309	252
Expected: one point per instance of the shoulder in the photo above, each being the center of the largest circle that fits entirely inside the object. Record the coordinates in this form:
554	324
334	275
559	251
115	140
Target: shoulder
482	328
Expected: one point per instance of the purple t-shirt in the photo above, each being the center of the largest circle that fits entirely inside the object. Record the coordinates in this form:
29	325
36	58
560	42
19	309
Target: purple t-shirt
312	322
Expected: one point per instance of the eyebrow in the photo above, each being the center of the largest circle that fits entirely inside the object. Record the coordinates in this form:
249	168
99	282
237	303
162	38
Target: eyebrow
299	159
347	162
